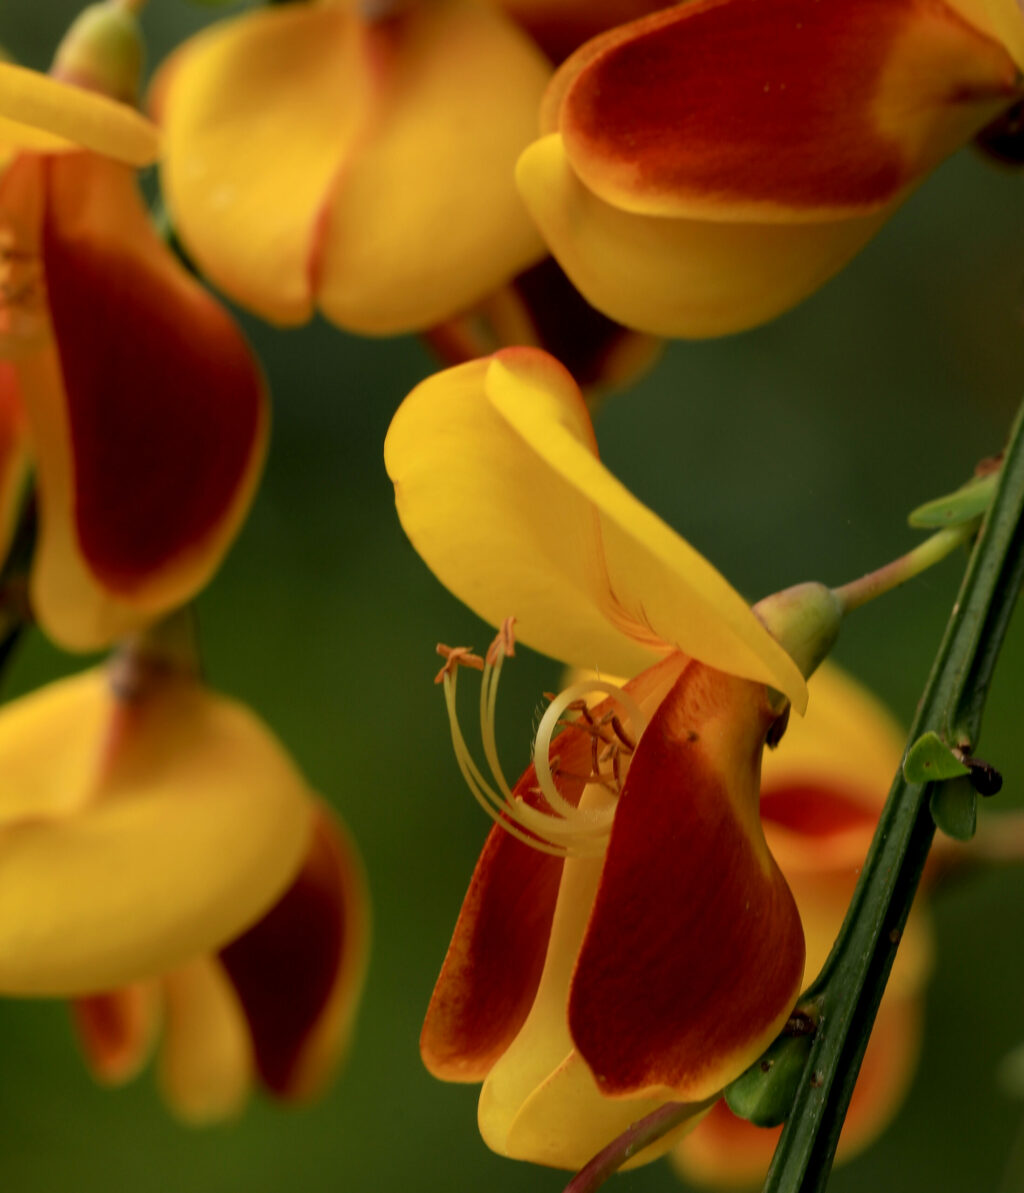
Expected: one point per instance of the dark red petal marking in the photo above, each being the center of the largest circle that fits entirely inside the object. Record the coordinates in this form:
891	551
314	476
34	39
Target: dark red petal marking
817	810
165	401
286	967
775	100
494	962
694	948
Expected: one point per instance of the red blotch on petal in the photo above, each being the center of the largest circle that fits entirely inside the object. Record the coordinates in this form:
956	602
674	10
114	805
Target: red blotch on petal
798	103
694	952
816	811
165	402
287	968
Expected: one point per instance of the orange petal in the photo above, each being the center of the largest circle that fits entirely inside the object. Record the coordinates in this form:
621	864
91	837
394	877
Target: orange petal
694	954
424	219
746	110
299	971
150	432
116	1030
680	277
206	1063
260	112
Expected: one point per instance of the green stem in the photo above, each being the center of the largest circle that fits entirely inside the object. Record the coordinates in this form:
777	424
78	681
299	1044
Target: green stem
932	551
851	984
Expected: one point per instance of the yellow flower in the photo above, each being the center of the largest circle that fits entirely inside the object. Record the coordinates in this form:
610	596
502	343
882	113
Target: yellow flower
708	166
127	386
274	1005
319	158
627	937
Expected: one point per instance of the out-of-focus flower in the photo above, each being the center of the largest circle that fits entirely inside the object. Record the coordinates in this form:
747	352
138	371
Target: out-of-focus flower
540	308
560	26
320	158
706	167
144	408
143	821
275	1005
627	937
822	791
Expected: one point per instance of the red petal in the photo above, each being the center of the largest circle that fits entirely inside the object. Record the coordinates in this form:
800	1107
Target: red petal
298	971
694	953
165	404
756	108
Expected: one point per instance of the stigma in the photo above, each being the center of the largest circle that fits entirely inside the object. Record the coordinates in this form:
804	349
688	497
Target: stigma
606	723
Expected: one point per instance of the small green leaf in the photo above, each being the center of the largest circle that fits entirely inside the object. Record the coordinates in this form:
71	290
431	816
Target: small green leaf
968	502
954	808
764	1093
929	760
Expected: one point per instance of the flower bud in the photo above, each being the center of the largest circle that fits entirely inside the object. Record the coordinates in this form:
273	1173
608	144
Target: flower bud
102	51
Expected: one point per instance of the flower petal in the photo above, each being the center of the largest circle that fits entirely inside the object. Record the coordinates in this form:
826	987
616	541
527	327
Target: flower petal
14	453
742	110
206	1063
136	830
499	488
260	113
540	1101
299	971
425	218
680	277
559	26
116	1030
694	954
53	115
151	435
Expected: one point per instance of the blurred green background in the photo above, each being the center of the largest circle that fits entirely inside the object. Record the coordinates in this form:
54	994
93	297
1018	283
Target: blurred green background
789	453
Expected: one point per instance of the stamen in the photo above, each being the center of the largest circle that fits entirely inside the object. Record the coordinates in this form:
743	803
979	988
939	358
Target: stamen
561	829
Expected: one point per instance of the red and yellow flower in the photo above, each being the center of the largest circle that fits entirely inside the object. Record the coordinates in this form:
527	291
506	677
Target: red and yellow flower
317	157
129	388
628	937
706	167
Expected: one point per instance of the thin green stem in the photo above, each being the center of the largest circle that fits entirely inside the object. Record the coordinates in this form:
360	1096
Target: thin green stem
853	980
932	551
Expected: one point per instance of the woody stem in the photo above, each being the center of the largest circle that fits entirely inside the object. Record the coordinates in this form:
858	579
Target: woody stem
852	983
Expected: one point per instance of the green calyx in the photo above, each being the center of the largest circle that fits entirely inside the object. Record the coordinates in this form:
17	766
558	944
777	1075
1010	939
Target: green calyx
765	1092
102	51
804	620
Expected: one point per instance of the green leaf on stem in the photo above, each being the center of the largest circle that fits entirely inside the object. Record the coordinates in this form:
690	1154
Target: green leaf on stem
954	808
966	503
930	760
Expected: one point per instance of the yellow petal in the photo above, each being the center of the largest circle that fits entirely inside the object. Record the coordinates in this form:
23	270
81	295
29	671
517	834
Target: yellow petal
260	112
136	830
54	115
679	277
1002	20
206	1062
425	218
499	489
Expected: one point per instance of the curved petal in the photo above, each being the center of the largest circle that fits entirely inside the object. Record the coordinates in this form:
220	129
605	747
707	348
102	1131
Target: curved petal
260	113
540	1101
728	1152
679	277
54	115
298	972
746	110
150	435
206	1064
493	967
425	218
137	829
499	488
559	26
117	1029
694	953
